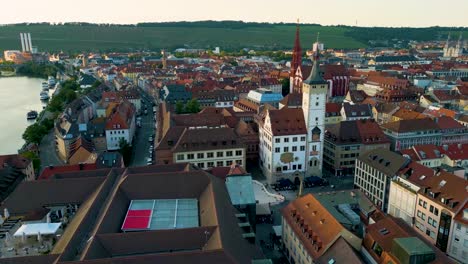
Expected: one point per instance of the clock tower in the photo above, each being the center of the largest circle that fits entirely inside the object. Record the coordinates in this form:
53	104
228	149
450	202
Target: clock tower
314	99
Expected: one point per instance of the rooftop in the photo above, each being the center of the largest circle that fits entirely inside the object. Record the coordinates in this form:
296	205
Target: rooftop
384	160
181	215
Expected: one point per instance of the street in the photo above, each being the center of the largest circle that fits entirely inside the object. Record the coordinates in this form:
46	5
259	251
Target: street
141	146
47	152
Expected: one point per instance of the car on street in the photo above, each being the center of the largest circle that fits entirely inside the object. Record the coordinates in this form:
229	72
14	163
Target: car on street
150	139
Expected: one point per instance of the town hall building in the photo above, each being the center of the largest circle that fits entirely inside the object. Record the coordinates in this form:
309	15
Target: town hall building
291	139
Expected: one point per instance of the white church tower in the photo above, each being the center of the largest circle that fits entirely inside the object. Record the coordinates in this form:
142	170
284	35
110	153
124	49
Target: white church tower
453	51
314	99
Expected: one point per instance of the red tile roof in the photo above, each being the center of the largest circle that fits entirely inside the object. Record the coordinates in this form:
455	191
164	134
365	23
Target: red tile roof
308	213
121	116
287	121
446	122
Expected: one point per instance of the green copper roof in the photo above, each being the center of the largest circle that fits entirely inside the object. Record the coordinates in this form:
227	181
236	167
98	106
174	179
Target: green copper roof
315	77
413	245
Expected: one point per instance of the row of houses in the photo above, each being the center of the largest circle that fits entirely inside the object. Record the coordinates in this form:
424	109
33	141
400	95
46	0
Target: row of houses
95	123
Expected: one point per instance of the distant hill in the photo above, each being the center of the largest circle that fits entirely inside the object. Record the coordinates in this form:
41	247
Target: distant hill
229	35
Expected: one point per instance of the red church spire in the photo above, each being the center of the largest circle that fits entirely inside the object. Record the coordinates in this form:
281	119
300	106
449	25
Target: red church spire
297	53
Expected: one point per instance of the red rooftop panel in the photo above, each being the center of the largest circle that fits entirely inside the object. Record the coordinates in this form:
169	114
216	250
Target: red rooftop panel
135	223
139	213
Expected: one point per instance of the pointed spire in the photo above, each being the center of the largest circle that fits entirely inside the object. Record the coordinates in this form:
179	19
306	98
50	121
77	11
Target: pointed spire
448	41
315	77
297	53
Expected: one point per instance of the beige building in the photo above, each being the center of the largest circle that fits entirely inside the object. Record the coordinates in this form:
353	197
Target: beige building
347	140
212	158
203	147
404	189
438	202
311	233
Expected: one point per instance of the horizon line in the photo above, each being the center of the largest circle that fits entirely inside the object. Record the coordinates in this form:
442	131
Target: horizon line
218	21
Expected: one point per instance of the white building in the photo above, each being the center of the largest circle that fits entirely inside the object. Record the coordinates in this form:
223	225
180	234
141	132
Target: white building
375	170
120	125
459	241
403	191
291	139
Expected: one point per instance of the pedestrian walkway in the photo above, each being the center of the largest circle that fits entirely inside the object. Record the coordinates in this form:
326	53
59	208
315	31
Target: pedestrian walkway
264	196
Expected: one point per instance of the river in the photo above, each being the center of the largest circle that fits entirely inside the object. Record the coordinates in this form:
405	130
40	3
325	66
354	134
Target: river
18	95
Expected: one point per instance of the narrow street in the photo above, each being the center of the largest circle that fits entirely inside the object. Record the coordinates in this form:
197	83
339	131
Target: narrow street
141	146
47	152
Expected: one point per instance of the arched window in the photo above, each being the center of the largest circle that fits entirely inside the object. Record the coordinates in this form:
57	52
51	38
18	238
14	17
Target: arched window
316	134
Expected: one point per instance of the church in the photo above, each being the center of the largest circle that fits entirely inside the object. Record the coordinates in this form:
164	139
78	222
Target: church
337	75
291	139
452	50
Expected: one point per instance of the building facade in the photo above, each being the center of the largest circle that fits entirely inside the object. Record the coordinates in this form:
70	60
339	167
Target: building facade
407	133
306	125
438	203
375	170
346	141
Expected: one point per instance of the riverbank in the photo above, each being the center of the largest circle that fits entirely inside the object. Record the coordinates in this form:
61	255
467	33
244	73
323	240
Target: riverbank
18	96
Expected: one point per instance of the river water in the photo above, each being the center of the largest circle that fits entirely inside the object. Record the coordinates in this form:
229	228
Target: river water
18	95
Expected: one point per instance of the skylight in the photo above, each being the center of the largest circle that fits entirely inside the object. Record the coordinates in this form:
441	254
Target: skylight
161	214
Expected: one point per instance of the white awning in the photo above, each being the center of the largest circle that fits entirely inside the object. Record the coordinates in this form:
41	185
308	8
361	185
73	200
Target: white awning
34	229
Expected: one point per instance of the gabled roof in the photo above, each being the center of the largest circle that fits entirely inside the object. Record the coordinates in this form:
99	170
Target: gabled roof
384	160
357	110
121	116
287	121
446	122
316	220
340	252
356	132
448	186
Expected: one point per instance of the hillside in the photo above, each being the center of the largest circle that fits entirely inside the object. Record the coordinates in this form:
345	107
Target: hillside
229	35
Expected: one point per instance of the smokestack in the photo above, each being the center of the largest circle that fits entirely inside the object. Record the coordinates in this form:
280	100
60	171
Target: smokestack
26	43
23	48
30	42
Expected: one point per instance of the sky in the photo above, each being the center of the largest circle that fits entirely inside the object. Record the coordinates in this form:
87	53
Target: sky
391	13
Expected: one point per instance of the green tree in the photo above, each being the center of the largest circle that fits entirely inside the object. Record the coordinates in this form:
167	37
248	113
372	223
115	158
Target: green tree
125	150
179	107
34	133
70	84
55	105
192	106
